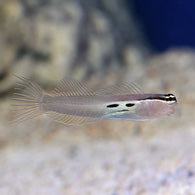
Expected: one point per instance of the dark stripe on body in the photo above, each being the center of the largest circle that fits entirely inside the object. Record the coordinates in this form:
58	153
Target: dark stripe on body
166	98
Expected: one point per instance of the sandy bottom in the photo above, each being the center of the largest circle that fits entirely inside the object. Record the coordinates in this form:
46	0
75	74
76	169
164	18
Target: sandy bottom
113	157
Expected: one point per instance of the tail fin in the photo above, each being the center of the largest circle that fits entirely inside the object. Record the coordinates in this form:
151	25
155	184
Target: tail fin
27	100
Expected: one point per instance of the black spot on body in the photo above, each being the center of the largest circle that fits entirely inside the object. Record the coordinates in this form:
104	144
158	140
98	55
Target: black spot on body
129	105
112	105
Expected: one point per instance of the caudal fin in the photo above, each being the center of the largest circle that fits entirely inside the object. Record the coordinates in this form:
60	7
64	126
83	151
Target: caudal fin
26	100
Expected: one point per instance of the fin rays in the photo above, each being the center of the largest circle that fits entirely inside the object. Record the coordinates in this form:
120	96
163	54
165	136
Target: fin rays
26	100
72	119
72	88
120	89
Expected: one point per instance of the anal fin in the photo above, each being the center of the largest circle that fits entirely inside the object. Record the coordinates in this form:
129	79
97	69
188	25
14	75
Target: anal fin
72	119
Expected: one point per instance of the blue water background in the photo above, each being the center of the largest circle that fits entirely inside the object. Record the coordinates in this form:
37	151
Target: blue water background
167	23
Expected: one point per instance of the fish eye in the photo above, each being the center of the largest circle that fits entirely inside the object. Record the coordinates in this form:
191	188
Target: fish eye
170	97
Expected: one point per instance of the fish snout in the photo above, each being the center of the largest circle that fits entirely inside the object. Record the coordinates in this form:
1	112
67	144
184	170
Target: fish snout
155	109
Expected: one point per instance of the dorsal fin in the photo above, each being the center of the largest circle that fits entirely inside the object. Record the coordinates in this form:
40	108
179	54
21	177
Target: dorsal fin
120	89
71	87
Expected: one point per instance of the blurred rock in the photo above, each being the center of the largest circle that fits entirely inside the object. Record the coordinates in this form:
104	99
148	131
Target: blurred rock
52	39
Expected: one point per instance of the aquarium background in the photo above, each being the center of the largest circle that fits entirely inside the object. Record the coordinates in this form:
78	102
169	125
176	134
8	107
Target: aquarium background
167	24
101	43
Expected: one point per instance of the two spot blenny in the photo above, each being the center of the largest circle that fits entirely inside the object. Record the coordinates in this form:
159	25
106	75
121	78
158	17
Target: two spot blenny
73	103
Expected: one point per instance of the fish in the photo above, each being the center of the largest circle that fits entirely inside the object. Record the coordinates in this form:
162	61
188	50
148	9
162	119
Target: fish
73	103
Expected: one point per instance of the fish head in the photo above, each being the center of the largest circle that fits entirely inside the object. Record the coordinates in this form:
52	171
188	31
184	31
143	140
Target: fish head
161	106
